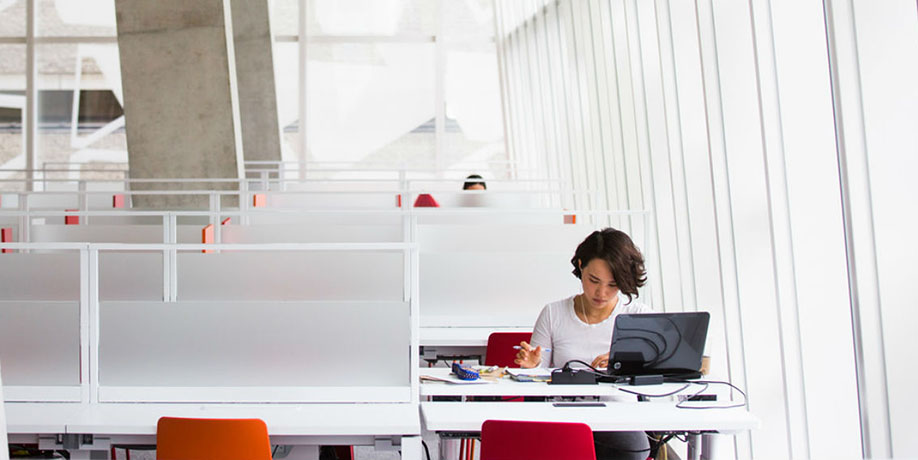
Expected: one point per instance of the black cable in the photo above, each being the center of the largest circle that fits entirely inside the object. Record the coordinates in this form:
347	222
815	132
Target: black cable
656	349
629	450
567	365
706	384
657	443
678	342
656	395
653	344
592	370
660	356
426	451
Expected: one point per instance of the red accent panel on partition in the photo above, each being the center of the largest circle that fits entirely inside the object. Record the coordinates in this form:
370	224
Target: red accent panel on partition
570	218
118	201
207	236
426	200
259	200
71	220
398	200
6	236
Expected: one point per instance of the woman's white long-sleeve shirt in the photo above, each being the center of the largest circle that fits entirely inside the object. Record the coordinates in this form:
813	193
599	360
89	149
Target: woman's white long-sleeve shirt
559	329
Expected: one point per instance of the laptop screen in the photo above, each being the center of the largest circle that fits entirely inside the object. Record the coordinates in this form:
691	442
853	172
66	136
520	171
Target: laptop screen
669	344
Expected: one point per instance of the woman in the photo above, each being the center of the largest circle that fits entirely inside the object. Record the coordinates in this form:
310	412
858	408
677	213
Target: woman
610	268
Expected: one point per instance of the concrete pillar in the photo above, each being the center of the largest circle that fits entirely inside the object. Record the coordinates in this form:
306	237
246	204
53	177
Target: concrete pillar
261	134
180	103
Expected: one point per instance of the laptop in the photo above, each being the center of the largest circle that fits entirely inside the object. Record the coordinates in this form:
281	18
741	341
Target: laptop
667	344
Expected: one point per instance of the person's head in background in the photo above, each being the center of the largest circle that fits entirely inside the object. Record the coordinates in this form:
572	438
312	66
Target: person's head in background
474	182
607	262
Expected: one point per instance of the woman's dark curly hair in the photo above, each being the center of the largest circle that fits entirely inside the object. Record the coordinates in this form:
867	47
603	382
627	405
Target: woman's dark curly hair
616	248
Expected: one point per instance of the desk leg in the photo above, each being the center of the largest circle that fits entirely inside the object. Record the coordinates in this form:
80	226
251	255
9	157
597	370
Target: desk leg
303	453
702	446
448	448
694	446
411	448
708	443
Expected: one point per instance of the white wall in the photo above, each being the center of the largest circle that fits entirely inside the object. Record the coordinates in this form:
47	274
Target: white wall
876	50
779	180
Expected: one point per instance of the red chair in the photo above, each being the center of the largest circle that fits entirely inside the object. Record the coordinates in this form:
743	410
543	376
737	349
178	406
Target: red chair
212	439
500	351
514	440
425	200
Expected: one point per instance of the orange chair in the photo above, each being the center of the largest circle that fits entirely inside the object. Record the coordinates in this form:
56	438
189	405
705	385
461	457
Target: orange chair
212	439
500	351
514	440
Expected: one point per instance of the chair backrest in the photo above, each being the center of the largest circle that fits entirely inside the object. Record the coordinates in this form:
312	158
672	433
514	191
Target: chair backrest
212	439
515	440
426	200
500	350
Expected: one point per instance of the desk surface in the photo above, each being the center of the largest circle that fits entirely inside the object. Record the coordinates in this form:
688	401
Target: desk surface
510	387
282	419
462	336
615	416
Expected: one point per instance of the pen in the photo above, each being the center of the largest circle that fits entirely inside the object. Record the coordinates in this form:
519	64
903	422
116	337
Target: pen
517	347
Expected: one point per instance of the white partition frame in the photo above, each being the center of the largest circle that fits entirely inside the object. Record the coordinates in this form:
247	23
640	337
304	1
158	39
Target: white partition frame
61	393
90	389
478	222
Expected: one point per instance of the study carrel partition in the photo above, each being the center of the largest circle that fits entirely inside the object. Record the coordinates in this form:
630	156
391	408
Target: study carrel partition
182	337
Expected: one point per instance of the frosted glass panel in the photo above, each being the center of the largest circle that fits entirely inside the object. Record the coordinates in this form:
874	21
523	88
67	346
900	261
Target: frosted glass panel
40	343
313	234
97	233
350	218
291	275
126	219
503	237
126	276
435	218
491	289
501	200
381	200
54	201
40	276
254	344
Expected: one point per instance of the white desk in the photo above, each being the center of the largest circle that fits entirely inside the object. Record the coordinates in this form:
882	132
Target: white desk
393	426
615	416
510	387
458	342
451	419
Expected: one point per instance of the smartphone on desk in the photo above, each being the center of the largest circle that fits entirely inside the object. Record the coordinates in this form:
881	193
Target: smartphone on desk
579	404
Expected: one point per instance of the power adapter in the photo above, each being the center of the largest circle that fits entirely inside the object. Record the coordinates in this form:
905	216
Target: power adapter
646	380
572	377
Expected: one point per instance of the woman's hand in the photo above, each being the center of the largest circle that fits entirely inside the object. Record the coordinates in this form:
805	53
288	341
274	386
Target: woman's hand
528	357
601	361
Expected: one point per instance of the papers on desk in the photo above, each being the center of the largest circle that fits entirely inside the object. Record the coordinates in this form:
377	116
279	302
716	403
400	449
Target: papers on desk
536	374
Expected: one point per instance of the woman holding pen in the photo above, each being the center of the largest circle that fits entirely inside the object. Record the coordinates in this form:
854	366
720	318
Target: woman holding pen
610	269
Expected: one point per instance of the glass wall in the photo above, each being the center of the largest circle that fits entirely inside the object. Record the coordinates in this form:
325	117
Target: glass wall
72	55
412	83
378	83
772	146
12	112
